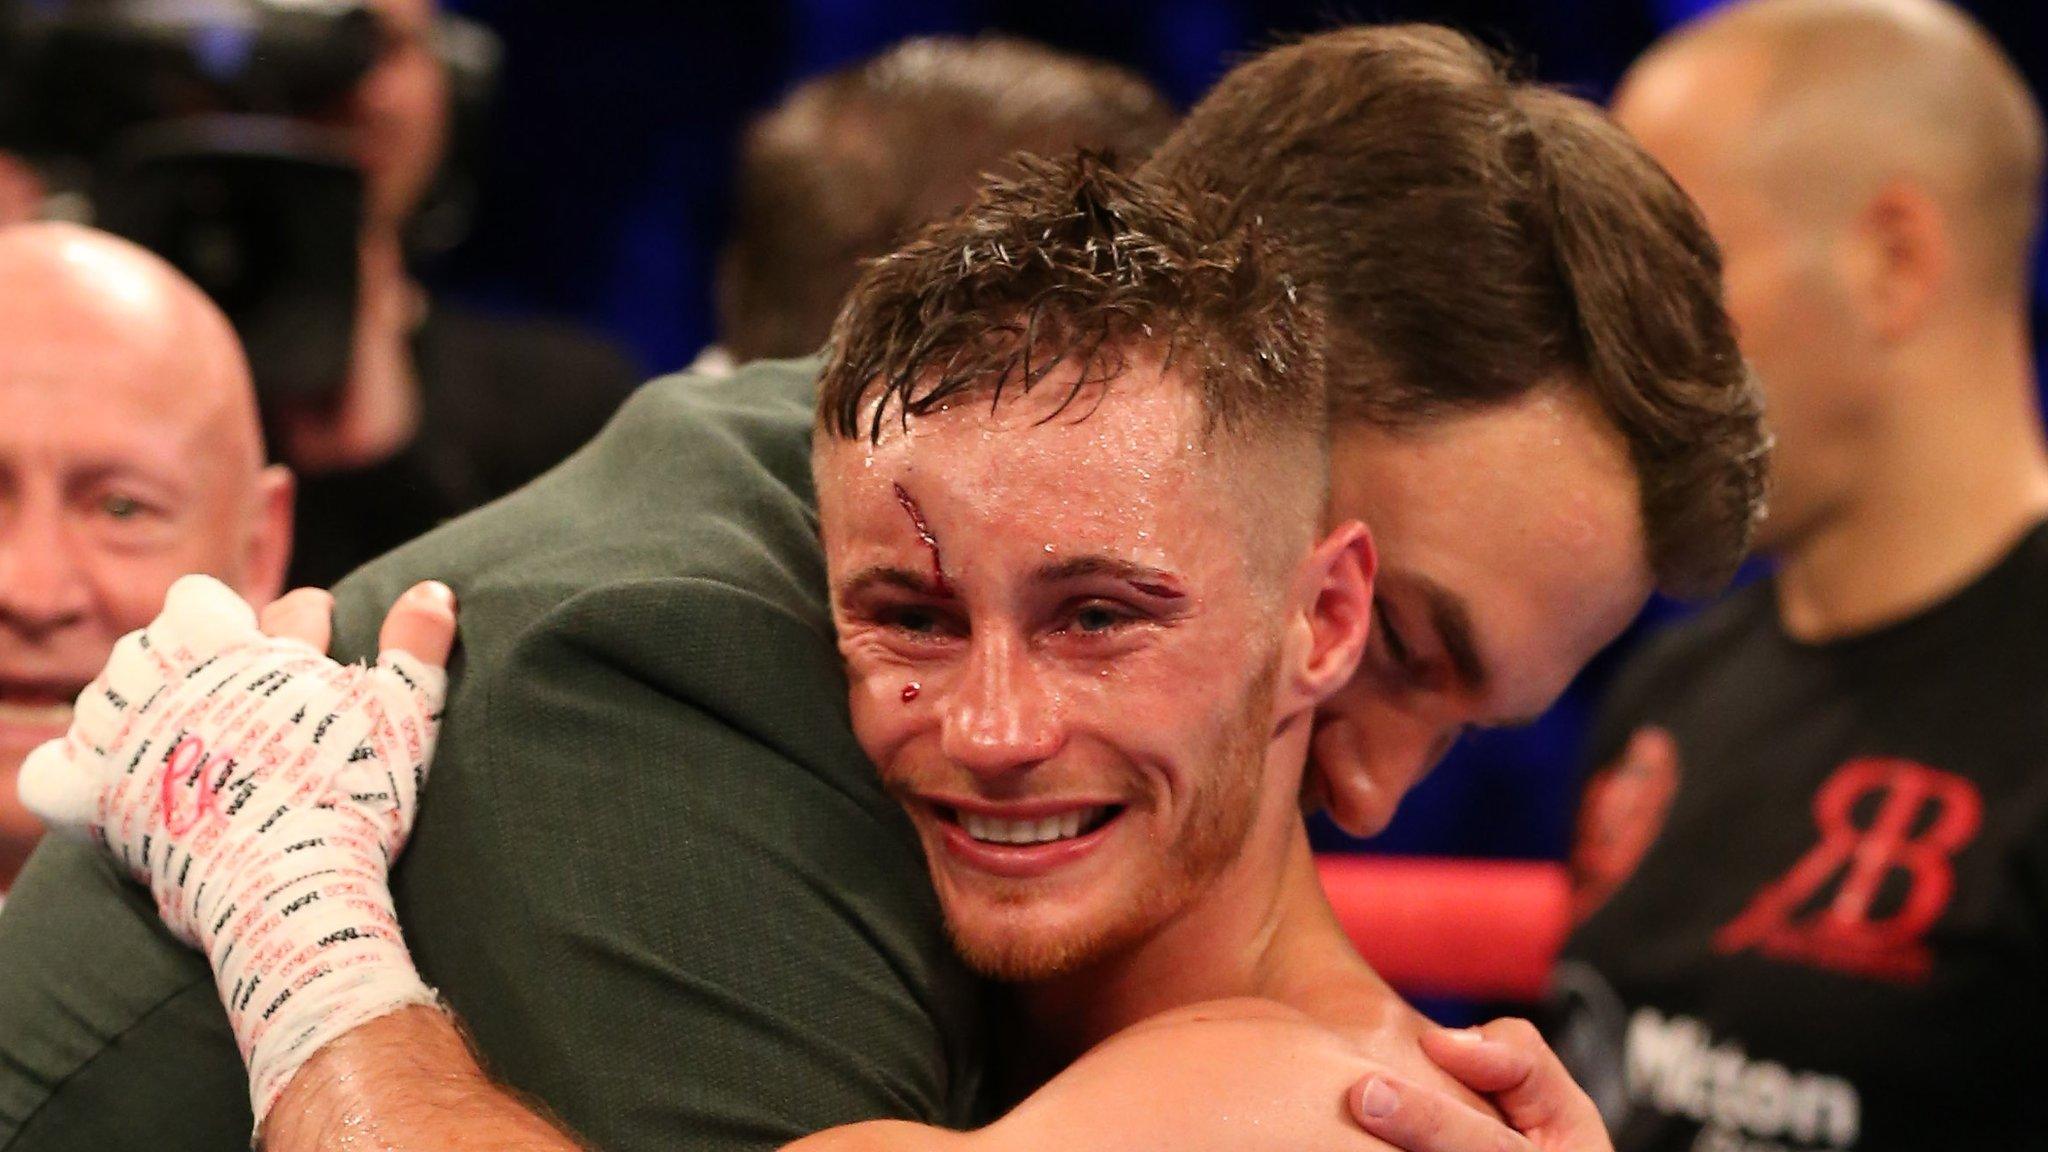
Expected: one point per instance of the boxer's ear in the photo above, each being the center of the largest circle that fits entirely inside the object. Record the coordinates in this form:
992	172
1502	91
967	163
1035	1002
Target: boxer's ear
1336	599
1900	256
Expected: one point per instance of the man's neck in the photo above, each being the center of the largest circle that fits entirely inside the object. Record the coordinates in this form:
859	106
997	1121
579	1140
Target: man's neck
1941	495
1269	935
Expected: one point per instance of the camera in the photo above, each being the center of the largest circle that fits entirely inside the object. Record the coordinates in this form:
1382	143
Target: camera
199	129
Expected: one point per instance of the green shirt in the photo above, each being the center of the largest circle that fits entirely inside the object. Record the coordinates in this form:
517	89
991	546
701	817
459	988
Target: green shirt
653	872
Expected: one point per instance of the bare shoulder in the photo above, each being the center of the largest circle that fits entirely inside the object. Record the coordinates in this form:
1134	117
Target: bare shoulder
1240	1019
1353	1028
1240	1075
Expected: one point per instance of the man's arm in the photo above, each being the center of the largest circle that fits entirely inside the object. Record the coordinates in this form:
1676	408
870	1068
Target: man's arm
1230	1082
407	1083
401	1083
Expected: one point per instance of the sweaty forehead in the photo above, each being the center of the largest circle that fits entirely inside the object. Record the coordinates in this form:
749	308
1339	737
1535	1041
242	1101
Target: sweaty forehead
1104	463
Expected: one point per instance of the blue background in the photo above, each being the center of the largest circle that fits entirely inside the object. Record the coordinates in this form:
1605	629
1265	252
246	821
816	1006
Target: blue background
606	183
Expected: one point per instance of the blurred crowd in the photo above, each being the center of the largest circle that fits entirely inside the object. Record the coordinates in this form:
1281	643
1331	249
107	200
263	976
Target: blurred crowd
1808	883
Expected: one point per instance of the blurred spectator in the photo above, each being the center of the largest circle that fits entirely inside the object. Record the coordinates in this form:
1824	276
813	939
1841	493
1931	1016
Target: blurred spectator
852	162
1838	939
443	410
129	456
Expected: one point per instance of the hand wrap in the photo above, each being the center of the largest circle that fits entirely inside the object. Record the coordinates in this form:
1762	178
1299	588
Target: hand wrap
260	791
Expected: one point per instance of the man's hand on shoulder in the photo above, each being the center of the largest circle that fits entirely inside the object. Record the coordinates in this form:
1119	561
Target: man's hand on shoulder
1505	1061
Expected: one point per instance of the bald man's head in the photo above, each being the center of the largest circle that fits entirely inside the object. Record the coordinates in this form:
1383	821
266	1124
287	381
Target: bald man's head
77	297
129	455
1824	101
1871	170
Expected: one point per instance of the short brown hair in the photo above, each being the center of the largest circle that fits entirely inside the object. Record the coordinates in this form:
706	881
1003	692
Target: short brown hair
1478	237
1071	262
850	164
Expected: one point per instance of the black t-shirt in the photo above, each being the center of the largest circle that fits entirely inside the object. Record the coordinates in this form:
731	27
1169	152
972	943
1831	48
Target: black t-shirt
501	402
1840	937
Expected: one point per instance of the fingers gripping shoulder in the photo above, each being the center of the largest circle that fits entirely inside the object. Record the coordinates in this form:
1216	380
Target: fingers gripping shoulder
202	671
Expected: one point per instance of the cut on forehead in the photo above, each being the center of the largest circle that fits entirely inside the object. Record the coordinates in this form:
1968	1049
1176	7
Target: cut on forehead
1846	94
1109	454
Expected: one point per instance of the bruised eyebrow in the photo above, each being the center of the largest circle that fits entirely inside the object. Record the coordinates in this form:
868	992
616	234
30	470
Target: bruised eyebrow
1151	581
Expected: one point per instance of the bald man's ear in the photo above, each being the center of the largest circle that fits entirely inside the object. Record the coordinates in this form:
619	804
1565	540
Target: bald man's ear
1336	590
1906	259
267	552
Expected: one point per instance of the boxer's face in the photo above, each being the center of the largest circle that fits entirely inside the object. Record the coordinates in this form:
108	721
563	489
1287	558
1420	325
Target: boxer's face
1511	551
1060	660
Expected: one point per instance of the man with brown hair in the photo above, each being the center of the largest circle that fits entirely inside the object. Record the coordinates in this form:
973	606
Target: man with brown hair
852	163
643	748
1536	401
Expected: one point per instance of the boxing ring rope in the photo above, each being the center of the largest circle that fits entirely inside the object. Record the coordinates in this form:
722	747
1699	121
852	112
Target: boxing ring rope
1468	929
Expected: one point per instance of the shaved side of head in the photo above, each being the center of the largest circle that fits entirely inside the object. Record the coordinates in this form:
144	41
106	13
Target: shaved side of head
1854	94
68	288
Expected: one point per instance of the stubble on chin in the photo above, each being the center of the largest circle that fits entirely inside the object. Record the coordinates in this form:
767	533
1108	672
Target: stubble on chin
1221	813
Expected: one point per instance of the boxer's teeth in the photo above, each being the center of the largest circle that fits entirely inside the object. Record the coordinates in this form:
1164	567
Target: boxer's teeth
990	830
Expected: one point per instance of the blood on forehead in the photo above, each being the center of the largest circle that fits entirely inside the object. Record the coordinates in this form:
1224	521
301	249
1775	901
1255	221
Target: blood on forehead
924	533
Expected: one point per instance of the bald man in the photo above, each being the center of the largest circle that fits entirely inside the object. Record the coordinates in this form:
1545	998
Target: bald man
1840	936
129	456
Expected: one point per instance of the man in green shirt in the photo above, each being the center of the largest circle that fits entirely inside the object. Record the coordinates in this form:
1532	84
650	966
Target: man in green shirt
657	878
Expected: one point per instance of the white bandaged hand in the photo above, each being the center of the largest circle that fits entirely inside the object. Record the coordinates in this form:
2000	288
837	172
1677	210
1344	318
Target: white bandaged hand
261	791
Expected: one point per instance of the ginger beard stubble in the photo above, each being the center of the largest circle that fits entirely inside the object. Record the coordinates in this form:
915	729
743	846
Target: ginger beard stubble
1169	715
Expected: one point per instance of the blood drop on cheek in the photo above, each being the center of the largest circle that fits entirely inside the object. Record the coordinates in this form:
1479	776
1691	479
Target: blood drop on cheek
911	691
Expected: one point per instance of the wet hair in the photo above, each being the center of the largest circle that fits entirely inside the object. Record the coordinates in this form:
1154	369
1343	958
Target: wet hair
1072	263
852	163
1478	238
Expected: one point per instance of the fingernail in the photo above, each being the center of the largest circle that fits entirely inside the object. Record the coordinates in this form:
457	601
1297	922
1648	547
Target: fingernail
1379	1099
433	592
1470	1036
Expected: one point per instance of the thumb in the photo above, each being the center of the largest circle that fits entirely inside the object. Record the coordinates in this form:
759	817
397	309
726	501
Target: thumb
61	787
201	616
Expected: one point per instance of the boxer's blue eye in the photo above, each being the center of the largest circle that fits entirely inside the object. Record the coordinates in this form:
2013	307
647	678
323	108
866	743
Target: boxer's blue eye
121	507
916	620
1097	618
